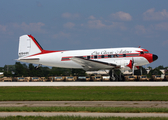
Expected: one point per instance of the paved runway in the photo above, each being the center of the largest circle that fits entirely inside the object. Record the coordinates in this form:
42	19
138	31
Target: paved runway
139	104
159	83
83	114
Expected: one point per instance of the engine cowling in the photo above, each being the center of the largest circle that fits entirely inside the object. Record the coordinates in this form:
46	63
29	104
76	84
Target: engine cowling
128	65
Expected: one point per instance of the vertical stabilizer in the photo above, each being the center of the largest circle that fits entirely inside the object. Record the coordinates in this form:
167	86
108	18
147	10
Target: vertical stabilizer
28	46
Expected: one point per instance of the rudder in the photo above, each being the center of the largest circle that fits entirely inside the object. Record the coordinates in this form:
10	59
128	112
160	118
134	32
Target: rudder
28	46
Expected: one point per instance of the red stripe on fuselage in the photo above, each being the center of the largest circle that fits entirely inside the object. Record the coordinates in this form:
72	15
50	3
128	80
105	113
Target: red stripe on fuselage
35	41
148	56
41	49
44	52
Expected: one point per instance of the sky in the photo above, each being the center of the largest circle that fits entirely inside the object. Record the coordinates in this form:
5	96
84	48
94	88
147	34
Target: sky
85	24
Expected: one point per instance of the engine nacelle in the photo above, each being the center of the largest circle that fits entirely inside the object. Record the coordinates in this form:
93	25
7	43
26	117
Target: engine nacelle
126	65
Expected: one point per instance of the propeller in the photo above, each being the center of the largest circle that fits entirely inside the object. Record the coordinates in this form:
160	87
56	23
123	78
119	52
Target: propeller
133	66
141	70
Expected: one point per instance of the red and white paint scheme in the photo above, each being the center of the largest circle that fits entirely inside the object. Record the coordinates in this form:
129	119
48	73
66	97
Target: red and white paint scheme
125	58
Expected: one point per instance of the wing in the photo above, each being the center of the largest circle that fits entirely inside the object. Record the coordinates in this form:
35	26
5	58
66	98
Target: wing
89	64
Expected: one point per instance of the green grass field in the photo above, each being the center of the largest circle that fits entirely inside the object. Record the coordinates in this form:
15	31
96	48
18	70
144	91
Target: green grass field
83	93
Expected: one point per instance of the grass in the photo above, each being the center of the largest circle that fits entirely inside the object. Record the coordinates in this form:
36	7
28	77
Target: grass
84	109
79	118
83	93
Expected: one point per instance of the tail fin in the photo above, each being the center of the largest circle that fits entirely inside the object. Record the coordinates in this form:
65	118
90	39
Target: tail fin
28	46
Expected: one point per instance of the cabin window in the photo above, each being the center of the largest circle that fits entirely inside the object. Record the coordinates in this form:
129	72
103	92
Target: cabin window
113	56
116	55
95	57
88	57
109	56
124	55
84	57
102	56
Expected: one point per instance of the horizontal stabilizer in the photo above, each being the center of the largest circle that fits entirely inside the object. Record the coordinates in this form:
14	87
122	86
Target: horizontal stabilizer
30	59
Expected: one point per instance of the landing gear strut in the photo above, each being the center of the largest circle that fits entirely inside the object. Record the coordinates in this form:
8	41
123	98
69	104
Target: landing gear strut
114	76
38	66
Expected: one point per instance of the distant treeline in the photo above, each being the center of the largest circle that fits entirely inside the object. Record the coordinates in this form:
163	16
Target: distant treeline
24	70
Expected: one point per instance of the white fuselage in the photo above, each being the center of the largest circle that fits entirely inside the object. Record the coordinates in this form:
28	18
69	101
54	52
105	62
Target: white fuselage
56	58
124	58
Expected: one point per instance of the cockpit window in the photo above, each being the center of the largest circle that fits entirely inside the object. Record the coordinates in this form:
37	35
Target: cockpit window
146	52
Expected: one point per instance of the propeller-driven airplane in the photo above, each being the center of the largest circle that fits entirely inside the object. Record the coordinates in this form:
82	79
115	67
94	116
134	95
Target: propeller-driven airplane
125	58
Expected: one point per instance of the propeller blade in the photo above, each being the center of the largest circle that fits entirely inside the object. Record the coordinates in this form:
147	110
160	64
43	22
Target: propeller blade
133	66
133	69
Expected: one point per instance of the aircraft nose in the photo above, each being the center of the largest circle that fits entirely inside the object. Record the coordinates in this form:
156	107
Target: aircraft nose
155	57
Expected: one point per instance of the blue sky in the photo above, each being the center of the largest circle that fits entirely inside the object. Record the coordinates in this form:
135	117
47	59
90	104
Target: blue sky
85	24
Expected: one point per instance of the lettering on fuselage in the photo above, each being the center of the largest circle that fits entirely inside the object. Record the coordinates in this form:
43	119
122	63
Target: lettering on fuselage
104	52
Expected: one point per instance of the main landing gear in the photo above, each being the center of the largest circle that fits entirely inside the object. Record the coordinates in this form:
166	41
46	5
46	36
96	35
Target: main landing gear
116	75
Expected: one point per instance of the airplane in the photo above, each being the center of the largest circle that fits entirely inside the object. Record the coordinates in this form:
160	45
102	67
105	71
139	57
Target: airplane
124	58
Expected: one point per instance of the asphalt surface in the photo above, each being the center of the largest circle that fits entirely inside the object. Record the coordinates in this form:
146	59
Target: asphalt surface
159	83
83	114
149	104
